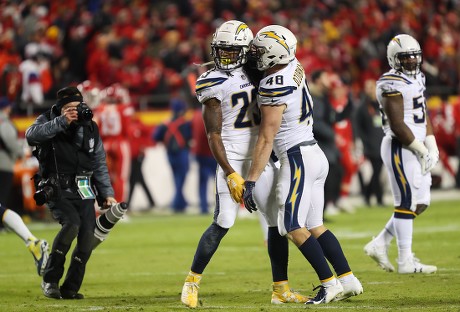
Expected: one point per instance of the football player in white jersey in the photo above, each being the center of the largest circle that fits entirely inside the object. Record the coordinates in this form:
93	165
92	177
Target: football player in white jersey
286	126
228	99
409	152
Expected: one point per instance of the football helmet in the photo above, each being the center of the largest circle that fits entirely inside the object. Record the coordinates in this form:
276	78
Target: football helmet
404	54
115	94
91	92
274	45
230	45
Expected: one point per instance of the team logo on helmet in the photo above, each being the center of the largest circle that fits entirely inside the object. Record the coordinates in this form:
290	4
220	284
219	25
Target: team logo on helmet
241	27
91	145
280	40
398	41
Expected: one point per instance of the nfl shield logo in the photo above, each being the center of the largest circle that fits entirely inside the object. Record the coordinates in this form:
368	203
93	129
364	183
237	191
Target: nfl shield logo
91	145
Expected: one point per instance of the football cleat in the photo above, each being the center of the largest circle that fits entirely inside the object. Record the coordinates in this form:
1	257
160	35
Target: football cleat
326	294
189	295
380	255
51	290
40	252
283	294
413	265
351	288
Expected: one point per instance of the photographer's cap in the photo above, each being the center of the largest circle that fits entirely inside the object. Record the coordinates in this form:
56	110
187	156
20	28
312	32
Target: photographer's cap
68	95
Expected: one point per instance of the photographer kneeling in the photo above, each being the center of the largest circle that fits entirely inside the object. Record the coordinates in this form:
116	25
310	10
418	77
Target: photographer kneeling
72	167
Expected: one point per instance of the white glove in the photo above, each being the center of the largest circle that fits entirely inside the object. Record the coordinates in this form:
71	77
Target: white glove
432	147
427	162
423	155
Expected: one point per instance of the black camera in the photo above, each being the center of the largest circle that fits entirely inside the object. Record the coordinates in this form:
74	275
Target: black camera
84	112
46	190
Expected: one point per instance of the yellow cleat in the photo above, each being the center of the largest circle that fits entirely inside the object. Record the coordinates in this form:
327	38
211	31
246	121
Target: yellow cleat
189	295
40	252
283	294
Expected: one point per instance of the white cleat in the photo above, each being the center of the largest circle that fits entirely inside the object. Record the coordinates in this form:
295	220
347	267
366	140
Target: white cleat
412	265
327	294
350	288
379	254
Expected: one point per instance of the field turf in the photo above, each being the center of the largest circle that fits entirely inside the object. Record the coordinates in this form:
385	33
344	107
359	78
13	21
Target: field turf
143	263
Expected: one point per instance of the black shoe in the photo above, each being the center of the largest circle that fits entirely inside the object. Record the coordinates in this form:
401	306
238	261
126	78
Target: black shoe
69	294
51	290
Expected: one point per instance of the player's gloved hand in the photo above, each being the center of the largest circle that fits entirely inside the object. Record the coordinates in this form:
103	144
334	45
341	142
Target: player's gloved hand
248	197
423	155
430	143
235	185
427	162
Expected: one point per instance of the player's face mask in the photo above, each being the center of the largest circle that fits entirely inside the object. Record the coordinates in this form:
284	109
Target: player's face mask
410	62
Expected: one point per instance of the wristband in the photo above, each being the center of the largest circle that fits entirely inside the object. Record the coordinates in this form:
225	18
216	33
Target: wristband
430	142
418	147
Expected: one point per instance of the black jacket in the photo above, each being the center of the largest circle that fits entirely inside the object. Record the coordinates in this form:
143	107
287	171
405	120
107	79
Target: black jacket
78	149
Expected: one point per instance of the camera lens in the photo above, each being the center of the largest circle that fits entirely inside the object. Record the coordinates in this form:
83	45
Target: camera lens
44	195
84	112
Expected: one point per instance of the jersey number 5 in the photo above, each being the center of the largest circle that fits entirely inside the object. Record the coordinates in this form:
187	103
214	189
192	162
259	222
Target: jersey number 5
419	102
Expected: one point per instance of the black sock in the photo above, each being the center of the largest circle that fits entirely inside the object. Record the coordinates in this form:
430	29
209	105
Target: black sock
333	252
312	251
207	246
278	251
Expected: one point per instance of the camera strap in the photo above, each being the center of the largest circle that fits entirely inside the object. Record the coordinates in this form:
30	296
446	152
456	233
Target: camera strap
58	186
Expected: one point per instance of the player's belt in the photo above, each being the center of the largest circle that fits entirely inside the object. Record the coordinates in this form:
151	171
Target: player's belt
296	147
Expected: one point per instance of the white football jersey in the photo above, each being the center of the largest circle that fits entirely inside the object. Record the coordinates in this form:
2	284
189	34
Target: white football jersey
412	90
288	86
237	96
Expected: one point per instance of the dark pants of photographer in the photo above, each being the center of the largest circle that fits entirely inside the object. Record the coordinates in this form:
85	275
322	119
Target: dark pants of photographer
78	219
7	184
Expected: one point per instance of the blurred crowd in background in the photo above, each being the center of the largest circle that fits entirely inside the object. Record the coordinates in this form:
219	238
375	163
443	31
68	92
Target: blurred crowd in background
147	51
147	45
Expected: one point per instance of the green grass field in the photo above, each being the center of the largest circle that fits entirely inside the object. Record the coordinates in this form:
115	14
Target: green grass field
143	263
